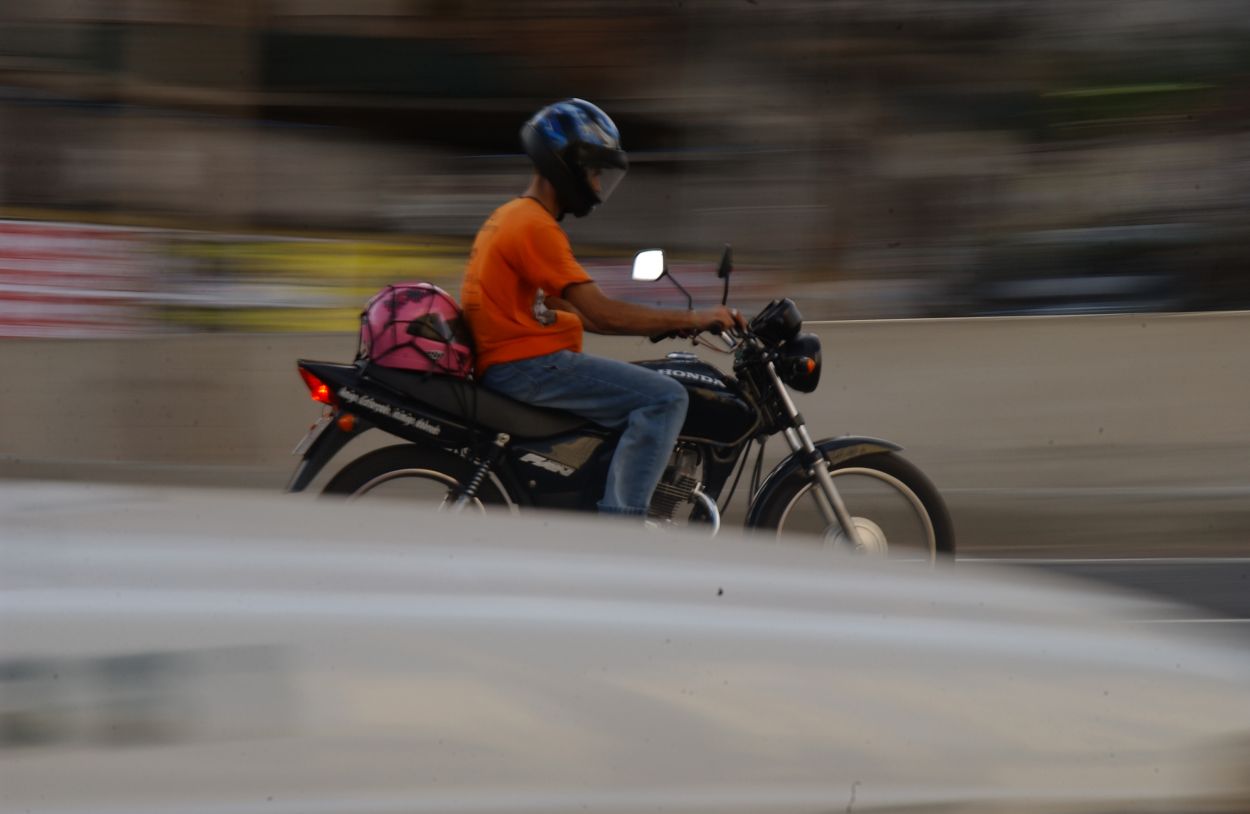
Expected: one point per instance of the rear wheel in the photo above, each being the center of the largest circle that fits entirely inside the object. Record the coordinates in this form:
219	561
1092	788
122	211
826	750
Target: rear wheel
897	512
410	474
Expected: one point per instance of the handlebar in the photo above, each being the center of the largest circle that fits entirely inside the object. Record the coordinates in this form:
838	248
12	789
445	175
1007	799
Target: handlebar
730	336
716	328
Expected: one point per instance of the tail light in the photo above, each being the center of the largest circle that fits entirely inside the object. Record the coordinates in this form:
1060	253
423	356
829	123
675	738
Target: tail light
319	390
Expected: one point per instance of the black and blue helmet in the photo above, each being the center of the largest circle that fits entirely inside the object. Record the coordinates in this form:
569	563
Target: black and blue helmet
576	147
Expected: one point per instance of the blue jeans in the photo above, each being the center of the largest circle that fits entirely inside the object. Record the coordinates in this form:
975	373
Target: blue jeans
649	406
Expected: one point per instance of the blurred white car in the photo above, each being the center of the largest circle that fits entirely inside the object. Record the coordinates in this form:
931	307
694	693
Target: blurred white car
173	652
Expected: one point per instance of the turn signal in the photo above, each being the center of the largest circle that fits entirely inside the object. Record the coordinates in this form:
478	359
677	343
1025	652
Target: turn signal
808	364
319	390
347	422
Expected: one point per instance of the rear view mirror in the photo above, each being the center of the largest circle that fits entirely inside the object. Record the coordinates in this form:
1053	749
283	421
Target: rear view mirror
649	265
722	271
726	262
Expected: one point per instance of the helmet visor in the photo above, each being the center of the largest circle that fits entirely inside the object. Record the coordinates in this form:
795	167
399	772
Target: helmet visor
603	180
604	167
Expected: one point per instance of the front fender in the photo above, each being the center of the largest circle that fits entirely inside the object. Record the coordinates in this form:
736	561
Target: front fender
836	450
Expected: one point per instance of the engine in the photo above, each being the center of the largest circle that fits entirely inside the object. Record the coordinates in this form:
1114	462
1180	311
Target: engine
679	483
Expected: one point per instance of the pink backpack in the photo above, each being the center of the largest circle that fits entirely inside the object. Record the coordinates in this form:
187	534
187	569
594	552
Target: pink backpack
416	326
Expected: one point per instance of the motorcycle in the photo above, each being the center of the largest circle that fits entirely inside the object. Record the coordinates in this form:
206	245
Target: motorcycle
468	447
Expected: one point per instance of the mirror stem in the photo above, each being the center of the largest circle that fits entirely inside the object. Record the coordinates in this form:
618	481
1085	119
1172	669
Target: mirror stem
682	289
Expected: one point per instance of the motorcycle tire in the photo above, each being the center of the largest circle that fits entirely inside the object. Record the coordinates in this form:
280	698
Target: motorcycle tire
897	511
415	474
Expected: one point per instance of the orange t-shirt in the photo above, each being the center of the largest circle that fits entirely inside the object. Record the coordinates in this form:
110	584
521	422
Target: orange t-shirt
519	250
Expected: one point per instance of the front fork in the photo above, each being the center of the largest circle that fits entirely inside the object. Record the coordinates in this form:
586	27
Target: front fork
827	497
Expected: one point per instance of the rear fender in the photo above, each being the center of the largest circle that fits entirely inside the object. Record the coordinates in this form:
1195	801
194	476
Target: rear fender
324	447
835	450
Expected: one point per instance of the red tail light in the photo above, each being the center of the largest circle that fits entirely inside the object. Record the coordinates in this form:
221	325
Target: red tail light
319	390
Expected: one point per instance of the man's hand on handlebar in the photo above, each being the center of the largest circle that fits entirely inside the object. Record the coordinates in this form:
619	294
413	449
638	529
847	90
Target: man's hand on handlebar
716	320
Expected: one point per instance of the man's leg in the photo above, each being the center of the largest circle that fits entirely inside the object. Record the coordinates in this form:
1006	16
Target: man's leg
648	406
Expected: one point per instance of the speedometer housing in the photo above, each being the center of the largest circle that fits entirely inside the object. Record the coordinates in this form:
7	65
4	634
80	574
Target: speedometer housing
778	322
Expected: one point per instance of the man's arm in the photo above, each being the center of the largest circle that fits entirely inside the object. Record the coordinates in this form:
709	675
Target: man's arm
602	314
560	304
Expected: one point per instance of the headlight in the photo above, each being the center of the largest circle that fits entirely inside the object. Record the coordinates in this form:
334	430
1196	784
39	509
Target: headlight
799	363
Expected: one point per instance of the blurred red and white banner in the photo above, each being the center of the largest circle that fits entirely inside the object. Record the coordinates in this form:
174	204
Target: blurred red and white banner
73	280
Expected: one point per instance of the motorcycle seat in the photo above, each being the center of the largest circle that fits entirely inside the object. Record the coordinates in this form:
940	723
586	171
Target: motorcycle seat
463	398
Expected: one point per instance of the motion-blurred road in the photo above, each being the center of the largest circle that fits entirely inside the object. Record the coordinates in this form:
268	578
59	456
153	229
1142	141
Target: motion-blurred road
1214	592
225	652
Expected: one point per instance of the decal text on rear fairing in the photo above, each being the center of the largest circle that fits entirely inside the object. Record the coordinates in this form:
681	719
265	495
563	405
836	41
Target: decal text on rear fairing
402	416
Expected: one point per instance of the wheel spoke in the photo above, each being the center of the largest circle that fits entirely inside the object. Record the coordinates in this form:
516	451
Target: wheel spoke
890	518
413	485
407	474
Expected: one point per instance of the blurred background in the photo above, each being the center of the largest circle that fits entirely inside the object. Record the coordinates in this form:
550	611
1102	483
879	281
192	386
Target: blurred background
209	191
170	165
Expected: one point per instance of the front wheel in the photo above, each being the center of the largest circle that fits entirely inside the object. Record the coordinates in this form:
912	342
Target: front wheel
413	475
897	512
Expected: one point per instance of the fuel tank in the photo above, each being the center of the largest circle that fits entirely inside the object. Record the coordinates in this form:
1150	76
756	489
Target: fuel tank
718	413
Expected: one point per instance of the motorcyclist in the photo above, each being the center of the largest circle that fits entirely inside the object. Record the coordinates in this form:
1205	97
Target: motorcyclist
527	301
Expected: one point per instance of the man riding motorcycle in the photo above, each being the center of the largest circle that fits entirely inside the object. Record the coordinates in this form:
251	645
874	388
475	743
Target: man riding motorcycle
527	302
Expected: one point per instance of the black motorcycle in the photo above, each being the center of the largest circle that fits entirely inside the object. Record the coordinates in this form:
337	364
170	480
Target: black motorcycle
469	447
